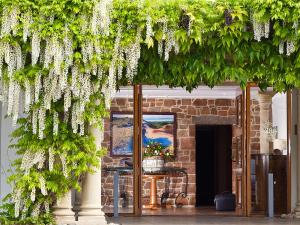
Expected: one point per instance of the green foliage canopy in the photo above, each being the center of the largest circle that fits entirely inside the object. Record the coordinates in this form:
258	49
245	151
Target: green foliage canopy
73	54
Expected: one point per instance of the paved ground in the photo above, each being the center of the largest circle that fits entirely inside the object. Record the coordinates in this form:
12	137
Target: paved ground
203	220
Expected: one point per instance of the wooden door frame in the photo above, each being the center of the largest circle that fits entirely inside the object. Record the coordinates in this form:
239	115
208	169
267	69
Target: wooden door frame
248	209
244	155
137	149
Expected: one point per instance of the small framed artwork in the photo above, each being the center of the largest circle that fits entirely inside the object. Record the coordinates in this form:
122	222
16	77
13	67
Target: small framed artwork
156	127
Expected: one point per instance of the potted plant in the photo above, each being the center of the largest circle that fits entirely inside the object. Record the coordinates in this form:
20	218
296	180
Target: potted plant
154	157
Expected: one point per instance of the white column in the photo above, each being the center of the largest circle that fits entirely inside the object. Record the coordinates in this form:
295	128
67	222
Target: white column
297	210
265	103
63	210
90	211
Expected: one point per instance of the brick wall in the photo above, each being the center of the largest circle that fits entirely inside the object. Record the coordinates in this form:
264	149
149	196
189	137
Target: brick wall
187	110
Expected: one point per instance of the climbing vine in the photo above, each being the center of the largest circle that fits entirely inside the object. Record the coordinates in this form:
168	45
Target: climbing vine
64	60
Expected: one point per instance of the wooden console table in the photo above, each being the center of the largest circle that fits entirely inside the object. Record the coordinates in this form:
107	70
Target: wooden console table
165	172
153	188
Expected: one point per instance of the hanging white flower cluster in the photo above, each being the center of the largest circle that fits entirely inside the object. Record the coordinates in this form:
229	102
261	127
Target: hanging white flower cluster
101	17
27	161
55	55
168	41
37	86
32	194
43	185
109	88
27	96
17	200
27	23
24	210
47	206
55	123
64	164
149	30
34	121
260	29
81	88
296	26
36	210
133	54
12	56
30	159
170	44
51	158
290	47
41	122
9	21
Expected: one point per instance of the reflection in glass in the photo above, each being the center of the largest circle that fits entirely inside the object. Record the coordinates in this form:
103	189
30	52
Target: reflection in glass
268	146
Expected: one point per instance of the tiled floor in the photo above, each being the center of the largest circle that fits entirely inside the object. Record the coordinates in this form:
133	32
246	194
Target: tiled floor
203	220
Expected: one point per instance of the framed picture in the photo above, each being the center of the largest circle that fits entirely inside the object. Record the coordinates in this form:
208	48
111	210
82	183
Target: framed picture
156	127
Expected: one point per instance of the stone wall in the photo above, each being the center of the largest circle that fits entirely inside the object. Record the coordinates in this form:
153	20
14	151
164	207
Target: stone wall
189	113
254	127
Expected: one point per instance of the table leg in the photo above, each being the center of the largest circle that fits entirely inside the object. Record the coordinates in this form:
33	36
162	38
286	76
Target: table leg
153	193
116	194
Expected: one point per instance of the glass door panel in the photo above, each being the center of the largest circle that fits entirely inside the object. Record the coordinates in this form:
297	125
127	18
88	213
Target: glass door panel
269	150
117	165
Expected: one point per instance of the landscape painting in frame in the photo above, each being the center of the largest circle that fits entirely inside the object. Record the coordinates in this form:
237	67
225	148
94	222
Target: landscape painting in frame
157	127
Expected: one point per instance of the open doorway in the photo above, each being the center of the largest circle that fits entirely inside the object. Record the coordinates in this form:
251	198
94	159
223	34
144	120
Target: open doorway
213	162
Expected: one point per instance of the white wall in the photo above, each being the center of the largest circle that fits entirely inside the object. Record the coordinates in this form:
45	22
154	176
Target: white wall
279	114
7	156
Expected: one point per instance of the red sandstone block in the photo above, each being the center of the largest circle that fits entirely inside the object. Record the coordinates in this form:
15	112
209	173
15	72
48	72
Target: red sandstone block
152	100
211	101
175	110
214	111
200	102
232	111
154	109
191	111
165	109
107	159
222	113
223	102
192	130
114	109
187	142
158	103
186	101
192	188
121	101
183	126
169	102
205	111
145	104
182	133
184	159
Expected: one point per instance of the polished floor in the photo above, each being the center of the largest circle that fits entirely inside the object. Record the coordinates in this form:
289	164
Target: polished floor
191	211
172	211
203	220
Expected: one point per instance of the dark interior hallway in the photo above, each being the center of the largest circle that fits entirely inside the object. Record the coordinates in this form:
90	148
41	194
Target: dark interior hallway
213	162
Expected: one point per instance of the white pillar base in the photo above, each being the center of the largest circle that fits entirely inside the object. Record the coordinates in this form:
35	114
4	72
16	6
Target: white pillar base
297	210
91	220
63	210
65	221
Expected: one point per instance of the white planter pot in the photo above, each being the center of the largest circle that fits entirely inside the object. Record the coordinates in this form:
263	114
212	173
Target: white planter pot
153	164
